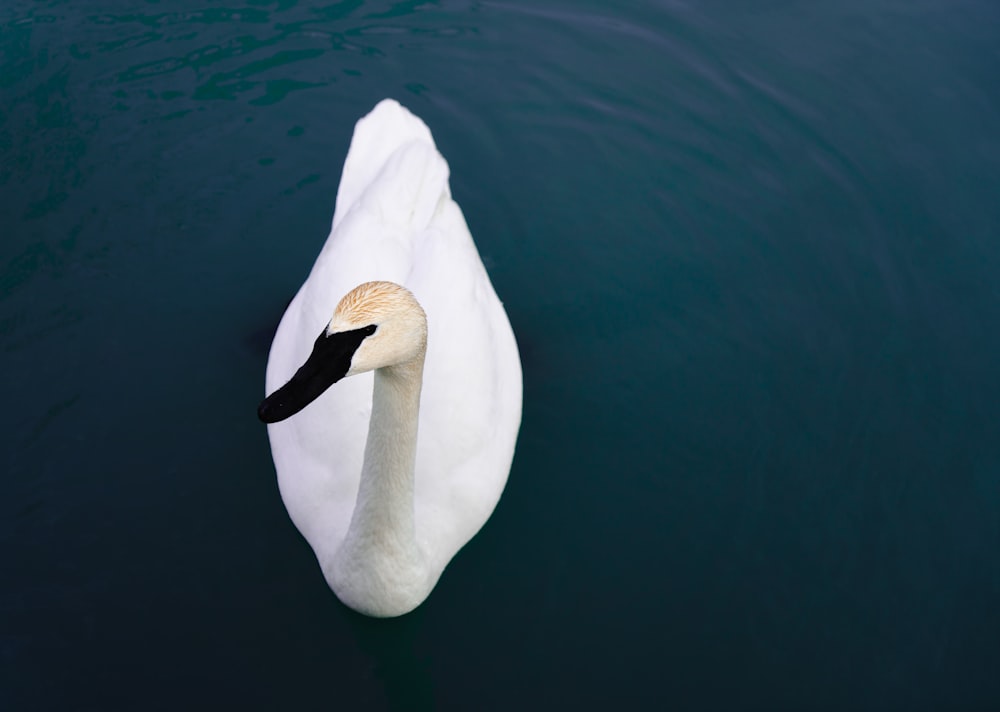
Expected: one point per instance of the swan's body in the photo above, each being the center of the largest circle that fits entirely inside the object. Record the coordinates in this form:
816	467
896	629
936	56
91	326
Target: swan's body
444	402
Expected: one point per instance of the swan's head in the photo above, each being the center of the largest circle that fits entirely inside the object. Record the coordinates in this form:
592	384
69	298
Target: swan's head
376	325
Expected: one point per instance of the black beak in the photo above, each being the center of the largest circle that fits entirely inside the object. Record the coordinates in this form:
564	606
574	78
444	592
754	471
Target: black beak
329	361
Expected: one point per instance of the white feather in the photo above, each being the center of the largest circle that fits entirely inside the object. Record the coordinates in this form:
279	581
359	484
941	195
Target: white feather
395	220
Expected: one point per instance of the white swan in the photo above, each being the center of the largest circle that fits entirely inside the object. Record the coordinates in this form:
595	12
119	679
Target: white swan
388	475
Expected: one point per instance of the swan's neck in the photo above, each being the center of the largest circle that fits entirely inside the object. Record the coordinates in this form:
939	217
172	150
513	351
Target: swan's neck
379	558
383	514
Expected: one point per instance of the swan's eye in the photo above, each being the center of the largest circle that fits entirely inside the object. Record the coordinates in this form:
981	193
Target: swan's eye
369	330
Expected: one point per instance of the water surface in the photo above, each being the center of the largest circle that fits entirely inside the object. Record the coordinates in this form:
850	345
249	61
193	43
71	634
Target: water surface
750	252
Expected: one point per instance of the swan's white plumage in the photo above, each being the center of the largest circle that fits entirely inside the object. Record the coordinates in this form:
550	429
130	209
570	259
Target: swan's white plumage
395	221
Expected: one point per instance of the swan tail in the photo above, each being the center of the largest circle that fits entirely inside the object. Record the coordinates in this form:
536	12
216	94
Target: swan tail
394	168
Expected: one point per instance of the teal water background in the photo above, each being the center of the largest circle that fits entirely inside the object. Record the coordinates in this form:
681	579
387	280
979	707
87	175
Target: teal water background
750	252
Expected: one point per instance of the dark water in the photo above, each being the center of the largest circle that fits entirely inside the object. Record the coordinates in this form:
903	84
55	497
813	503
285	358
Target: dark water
750	251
